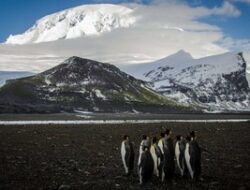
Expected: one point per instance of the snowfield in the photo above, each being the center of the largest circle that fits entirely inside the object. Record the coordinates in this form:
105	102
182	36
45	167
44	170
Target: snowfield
176	66
85	20
216	82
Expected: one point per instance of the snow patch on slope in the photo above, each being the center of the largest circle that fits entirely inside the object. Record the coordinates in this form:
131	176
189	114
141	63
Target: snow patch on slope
180	64
214	82
99	94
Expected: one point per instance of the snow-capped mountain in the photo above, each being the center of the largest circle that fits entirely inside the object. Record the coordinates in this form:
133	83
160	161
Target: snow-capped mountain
82	84
217	83
85	20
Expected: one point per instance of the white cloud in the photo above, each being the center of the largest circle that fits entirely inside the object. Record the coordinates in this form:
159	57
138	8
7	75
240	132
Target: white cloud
238	45
227	9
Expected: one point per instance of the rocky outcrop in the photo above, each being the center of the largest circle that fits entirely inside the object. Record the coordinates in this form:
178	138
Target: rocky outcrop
82	84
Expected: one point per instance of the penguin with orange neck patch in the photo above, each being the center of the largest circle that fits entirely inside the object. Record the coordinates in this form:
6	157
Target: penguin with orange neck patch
160	145
157	156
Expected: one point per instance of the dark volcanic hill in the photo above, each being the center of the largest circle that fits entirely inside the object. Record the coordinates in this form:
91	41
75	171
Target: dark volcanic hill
82	84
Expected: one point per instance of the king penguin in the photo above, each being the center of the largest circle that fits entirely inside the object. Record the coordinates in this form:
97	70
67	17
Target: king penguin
127	153
156	155
146	166
168	162
193	156
144	143
160	145
180	154
160	142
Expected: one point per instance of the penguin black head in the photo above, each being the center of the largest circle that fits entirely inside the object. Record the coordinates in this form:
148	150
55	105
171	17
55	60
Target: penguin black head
125	137
168	132
188	138
178	137
192	134
162	135
144	137
154	140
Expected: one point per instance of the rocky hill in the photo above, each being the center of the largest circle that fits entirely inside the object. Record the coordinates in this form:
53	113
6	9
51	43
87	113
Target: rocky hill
86	85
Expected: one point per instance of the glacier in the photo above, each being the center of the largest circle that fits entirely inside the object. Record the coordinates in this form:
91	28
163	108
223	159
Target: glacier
85	20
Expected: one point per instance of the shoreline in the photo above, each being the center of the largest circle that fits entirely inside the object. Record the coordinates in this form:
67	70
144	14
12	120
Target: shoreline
87	122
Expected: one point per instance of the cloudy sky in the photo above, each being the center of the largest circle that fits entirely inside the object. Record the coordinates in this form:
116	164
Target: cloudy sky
200	27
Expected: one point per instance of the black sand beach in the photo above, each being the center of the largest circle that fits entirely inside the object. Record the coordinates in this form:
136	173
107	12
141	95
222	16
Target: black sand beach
88	156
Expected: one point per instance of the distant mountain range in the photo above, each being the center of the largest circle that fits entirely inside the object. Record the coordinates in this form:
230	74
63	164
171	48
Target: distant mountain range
7	75
177	83
215	83
85	85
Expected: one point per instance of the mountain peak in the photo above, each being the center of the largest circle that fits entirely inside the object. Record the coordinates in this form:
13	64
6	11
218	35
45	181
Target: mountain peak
75	59
181	54
179	57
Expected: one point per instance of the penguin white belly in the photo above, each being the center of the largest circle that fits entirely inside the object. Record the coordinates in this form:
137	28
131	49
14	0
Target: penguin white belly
140	175
155	159
140	152
160	144
177	155
187	158
123	154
